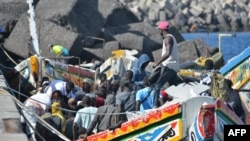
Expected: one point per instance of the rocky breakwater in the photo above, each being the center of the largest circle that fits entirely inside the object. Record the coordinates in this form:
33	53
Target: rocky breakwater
209	15
89	29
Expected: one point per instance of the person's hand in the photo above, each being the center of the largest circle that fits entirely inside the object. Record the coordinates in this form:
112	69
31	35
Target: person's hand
82	137
154	64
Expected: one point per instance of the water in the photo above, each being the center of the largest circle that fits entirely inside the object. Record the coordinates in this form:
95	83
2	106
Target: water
230	46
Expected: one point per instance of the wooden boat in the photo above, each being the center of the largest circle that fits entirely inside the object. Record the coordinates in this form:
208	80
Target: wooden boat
31	70
51	68
172	121
183	118
238	71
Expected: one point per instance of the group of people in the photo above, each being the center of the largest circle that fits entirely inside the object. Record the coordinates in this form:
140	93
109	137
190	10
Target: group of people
97	107
102	106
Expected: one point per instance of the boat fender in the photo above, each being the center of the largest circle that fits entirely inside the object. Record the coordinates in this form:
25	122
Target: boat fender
34	67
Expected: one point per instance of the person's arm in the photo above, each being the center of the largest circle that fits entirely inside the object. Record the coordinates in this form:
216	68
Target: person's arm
94	122
138	101
138	104
59	54
161	100
168	45
119	110
75	129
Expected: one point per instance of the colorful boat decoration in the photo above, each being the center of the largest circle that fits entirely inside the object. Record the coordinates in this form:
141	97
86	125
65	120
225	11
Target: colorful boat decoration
237	70
168	122
62	71
51	68
185	117
120	61
224	116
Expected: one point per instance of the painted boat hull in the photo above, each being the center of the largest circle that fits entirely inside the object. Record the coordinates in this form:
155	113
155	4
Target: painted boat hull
237	70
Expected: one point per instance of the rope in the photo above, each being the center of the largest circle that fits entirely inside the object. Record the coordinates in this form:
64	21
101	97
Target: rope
8	55
63	109
5	67
2	91
48	126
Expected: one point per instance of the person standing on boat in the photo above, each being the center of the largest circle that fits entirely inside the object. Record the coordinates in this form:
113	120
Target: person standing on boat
169	61
58	50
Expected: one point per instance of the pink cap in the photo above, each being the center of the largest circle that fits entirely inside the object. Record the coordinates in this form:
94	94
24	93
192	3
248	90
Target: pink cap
163	25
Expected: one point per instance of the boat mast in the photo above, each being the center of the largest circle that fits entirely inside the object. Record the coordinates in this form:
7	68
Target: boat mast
32	27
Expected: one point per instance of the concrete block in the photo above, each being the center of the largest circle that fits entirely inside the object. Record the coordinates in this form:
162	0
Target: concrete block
231	14
195	11
99	53
13	137
222	22
162	15
208	18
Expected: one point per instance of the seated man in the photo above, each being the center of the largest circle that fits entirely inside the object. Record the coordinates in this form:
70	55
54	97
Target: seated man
84	116
101	120
144	97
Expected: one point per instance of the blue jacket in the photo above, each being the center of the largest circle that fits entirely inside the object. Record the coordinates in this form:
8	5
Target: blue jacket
138	71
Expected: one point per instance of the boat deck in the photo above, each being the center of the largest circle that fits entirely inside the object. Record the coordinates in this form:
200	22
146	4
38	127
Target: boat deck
10	125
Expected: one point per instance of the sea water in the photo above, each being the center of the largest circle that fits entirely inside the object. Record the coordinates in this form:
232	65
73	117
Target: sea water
230	45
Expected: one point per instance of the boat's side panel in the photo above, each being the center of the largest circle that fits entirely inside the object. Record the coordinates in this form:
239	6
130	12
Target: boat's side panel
235	61
240	74
171	131
57	70
245	98
154	125
224	116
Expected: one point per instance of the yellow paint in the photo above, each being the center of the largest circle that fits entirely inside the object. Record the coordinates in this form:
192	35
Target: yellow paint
118	53
34	65
201	60
178	136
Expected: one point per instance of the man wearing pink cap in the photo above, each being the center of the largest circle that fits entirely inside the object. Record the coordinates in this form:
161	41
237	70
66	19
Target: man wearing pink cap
169	60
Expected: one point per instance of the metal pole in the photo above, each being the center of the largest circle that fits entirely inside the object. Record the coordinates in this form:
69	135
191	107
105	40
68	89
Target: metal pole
224	35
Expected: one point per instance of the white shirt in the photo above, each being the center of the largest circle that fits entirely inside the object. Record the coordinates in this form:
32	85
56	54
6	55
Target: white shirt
173	60
58	85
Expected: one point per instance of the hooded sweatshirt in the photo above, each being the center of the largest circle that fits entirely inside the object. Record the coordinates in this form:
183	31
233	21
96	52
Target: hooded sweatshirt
138	71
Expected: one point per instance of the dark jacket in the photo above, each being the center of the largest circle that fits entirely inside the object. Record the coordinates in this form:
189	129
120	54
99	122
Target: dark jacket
103	119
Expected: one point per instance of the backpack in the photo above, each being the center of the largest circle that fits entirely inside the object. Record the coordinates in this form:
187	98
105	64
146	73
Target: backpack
219	87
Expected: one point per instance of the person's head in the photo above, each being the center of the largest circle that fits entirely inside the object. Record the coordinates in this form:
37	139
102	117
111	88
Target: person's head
103	91
69	86
50	47
209	64
163	27
124	85
56	96
44	81
86	87
128	75
102	77
86	101
72	103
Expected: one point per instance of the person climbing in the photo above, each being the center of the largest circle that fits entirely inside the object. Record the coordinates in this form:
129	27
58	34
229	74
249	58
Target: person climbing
169	61
58	50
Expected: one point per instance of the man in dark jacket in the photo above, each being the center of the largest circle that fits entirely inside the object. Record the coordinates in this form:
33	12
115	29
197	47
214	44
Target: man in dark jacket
101	120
